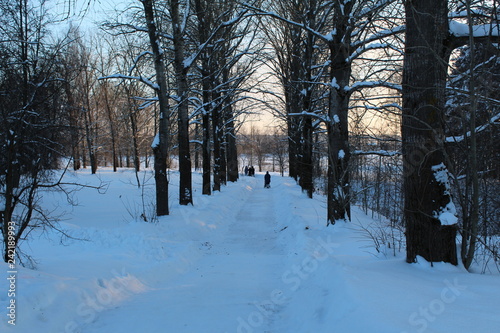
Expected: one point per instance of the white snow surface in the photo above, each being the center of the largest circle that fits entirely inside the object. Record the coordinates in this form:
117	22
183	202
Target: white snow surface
246	259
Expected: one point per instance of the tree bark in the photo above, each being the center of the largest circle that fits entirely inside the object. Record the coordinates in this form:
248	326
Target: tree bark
306	176
160	150
135	141
216	135
232	153
424	169
203	31
471	220
338	197
181	75
112	130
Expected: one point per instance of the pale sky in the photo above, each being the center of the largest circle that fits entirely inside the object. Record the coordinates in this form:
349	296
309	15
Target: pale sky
86	12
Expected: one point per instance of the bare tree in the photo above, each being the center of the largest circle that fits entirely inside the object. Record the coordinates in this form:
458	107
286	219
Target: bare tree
31	141
470	109
353	28
160	145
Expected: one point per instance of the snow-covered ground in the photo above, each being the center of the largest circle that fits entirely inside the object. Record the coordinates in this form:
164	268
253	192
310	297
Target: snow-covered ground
247	259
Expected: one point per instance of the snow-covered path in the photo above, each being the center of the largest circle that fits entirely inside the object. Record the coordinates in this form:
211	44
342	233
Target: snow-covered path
244	260
245	264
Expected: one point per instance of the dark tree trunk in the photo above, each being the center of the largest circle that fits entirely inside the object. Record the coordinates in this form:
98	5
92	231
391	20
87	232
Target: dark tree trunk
181	72
206	154
424	169
293	98
306	177
135	143
112	130
338	206
203	30
216	135
223	160
74	129
90	142
293	146
160	149
232	153
197	150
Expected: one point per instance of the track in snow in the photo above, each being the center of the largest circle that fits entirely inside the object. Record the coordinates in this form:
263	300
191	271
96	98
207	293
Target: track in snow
225	290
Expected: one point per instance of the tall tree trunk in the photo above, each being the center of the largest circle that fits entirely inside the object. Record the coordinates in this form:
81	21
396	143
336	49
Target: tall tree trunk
74	127
216	135
112	130
427	196
306	177
206	154
471	220
294	138
181	75
197	151
293	99
135	141
338	197
89	134
232	153
160	146
203	31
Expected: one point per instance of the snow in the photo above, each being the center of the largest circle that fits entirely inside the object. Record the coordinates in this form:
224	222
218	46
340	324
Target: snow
478	129
458	29
447	214
441	173
246	259
156	141
334	83
188	62
329	37
336	119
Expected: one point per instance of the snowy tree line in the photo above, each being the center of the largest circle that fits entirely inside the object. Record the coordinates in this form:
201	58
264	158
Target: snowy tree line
388	104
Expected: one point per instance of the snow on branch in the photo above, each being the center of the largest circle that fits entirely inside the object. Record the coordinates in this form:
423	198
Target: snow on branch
186	16
458	29
460	76
463	14
478	129
372	84
377	152
373	46
156	141
258	11
382	107
136	60
379	35
322	118
129	77
369	10
188	62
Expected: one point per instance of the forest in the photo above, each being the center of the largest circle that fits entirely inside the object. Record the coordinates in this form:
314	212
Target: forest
388	105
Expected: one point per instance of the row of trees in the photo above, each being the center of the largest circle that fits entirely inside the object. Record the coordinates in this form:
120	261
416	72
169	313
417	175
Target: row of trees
328	54
186	70
200	51
55	113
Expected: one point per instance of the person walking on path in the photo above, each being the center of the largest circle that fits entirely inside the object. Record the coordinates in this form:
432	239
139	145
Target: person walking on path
267	180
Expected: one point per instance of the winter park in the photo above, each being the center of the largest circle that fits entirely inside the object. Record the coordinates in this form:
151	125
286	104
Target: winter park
250	166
